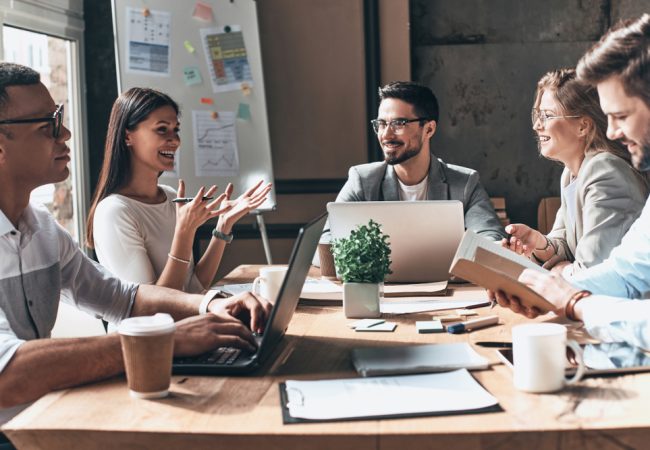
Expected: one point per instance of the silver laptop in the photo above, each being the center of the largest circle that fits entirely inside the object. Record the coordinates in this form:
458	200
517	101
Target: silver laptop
424	235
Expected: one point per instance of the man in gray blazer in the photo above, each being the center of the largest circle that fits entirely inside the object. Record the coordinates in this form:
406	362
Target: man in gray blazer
407	119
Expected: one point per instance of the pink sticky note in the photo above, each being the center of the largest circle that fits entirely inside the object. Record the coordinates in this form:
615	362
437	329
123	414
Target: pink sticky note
202	12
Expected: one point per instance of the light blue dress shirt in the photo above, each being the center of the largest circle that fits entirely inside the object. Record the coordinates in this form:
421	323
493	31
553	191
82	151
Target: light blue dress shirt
610	314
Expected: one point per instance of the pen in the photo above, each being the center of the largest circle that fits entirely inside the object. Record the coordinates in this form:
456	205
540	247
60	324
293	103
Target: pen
492	344
473	324
189	199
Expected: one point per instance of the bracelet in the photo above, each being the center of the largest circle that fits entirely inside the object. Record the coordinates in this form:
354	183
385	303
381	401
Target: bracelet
548	244
207	299
569	309
176	258
227	238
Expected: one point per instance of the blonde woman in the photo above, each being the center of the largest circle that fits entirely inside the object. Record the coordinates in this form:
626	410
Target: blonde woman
601	193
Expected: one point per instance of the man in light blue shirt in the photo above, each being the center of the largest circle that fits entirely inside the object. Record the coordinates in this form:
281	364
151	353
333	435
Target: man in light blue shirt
608	297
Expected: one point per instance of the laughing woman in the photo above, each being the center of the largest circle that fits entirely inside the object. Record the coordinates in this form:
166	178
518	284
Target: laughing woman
601	193
135	229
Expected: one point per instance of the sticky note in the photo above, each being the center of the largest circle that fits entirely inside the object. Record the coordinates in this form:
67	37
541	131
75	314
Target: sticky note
192	76
244	111
188	46
386	327
366	323
429	326
207	100
202	11
246	89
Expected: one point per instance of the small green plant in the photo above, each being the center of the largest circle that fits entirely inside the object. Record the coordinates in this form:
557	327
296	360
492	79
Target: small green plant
364	257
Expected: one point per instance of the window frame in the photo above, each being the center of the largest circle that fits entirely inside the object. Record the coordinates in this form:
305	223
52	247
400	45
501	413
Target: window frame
62	19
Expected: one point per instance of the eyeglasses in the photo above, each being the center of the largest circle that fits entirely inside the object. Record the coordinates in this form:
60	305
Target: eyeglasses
56	119
397	125
543	117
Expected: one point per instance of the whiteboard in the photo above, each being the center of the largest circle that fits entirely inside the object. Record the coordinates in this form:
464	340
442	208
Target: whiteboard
151	39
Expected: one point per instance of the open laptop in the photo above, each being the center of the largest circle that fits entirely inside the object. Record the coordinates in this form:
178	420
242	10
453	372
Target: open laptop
227	360
424	235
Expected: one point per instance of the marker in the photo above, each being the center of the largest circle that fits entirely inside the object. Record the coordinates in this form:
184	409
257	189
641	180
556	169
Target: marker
474	324
189	199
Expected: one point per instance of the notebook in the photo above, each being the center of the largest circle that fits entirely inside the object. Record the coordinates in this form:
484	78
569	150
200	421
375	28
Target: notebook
233	361
424	235
373	361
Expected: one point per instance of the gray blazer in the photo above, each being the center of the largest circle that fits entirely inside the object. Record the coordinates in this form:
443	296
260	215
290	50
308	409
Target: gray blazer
378	182
610	195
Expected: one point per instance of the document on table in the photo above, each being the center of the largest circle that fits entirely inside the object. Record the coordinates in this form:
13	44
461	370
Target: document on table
406	305
315	289
371	361
454	392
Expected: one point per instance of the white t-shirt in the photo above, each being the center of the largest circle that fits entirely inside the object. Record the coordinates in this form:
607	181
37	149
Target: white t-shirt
415	192
132	239
570	193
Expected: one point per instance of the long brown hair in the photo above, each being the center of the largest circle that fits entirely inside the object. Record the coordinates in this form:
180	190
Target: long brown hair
130	108
577	98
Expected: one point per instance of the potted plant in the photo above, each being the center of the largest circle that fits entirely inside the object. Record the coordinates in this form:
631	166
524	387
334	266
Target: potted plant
362	262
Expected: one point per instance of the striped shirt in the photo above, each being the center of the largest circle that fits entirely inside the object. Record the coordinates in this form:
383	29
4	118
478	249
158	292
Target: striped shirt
41	264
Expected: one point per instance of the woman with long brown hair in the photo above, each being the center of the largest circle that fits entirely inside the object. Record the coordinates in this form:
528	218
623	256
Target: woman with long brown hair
135	229
601	193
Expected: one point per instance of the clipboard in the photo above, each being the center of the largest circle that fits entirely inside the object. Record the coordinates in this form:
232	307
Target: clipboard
287	419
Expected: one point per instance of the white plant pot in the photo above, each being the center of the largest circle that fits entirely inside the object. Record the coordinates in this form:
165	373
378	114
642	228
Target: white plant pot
361	300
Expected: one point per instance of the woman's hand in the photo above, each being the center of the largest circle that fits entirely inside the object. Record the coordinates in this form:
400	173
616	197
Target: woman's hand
239	207
523	239
192	215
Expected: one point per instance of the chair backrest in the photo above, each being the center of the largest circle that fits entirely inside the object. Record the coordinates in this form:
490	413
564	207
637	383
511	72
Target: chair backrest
546	212
499	204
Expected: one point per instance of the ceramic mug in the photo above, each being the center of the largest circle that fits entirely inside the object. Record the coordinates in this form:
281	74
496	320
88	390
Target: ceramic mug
539	357
269	282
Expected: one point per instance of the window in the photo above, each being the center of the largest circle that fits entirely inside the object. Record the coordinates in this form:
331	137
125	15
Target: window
47	35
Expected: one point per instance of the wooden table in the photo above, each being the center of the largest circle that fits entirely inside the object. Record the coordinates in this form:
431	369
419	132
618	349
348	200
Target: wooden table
244	412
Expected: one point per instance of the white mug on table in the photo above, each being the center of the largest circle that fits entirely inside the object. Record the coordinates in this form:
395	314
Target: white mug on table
539	357
269	282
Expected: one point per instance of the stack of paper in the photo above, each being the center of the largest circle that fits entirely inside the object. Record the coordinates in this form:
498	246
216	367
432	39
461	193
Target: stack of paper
326	292
385	397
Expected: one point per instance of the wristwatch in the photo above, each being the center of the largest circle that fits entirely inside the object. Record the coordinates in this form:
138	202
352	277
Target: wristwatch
227	238
207	299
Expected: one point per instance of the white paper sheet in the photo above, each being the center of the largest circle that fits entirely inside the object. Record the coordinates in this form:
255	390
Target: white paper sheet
226	57
406	305
147	45
215	144
386	396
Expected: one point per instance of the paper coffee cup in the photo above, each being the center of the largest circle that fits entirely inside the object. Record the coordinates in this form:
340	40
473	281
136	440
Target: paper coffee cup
148	348
327	268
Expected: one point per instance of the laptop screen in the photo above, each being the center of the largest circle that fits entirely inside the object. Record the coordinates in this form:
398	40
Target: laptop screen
289	294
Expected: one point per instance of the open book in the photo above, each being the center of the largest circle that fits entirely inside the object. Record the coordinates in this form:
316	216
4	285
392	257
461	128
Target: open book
487	264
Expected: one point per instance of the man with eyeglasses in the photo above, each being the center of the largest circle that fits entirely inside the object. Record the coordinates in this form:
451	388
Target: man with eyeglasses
406	122
611	298
40	263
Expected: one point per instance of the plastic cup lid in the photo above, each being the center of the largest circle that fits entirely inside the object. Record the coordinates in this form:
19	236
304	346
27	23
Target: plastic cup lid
160	323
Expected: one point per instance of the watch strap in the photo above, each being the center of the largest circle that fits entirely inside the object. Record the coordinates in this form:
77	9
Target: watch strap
227	238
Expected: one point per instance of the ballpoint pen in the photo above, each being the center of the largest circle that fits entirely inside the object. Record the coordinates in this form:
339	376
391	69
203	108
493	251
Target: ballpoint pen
189	199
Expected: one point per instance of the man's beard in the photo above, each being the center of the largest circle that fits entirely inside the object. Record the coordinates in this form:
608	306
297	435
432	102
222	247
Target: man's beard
642	163
399	159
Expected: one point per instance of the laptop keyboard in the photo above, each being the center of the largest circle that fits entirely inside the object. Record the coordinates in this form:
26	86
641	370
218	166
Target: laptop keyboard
222	355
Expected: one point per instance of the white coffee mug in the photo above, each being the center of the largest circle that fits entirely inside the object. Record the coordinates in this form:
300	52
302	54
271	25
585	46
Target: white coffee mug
539	357
269	282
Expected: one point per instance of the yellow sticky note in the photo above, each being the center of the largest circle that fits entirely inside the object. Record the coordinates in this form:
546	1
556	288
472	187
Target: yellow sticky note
188	46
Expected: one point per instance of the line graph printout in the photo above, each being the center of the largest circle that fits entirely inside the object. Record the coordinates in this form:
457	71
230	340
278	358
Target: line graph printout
215	144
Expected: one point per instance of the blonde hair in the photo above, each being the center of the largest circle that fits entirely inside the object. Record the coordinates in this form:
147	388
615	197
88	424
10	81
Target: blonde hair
577	98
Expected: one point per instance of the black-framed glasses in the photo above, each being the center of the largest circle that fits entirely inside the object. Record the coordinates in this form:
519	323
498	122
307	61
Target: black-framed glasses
397	125
544	117
56	119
